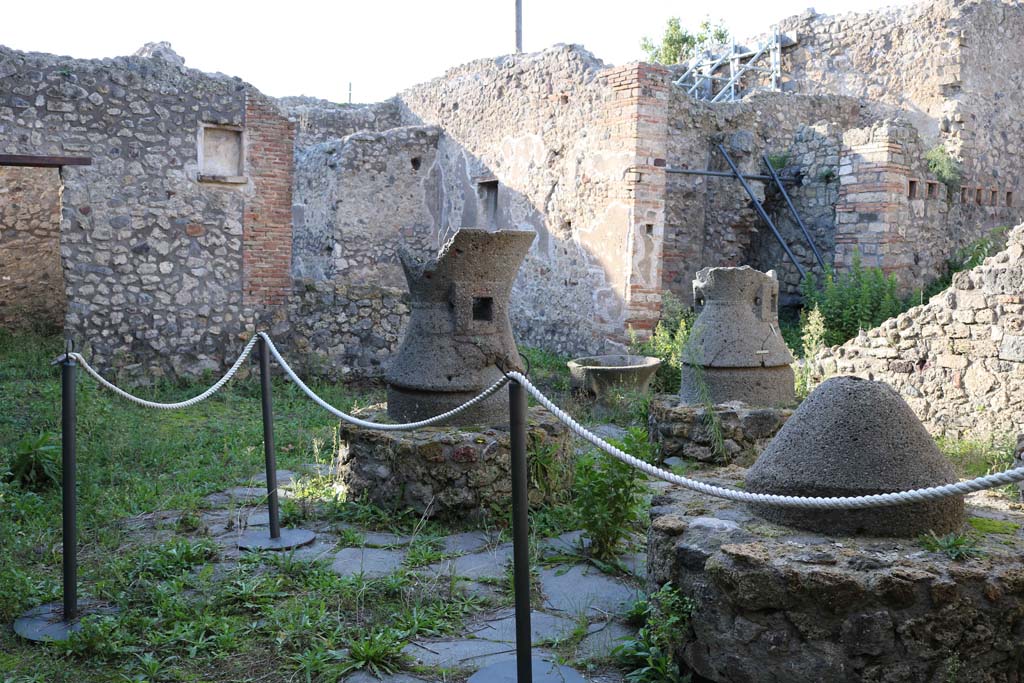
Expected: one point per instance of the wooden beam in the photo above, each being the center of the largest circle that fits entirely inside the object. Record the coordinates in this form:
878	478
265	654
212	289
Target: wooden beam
35	161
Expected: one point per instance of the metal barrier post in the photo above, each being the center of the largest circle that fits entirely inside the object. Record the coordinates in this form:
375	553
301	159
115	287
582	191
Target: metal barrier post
278	540
520	531
56	621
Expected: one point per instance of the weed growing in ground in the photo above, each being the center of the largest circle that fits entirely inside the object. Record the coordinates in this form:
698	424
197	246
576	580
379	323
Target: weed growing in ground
953	545
648	657
610	494
36	461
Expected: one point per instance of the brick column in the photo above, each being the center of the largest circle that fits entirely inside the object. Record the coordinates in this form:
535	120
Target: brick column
267	222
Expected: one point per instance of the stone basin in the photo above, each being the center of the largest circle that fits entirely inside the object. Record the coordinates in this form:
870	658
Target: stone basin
601	375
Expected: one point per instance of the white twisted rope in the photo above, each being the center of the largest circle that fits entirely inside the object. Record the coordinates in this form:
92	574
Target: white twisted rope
380	426
838	503
168	406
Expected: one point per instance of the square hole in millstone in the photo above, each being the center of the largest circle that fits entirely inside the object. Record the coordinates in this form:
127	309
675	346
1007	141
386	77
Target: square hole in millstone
483	308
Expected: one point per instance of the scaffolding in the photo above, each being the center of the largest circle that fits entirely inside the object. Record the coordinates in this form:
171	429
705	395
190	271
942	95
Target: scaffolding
703	81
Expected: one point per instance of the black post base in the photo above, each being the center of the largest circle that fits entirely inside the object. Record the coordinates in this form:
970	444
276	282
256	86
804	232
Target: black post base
46	622
259	539
544	671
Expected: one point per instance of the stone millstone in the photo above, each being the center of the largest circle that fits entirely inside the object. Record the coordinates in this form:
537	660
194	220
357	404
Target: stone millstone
855	437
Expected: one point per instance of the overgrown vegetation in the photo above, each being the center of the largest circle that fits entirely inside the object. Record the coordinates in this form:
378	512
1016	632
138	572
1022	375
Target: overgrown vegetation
667	342
665	616
858	299
678	44
609	495
945	168
812	341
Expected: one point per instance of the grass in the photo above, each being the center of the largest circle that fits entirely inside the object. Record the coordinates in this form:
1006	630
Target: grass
185	615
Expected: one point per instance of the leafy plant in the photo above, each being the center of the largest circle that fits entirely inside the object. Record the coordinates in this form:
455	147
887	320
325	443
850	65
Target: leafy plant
860	298
666	343
812	338
378	652
945	168
778	161
36	461
955	546
678	44
712	422
610	494
648	656
827	175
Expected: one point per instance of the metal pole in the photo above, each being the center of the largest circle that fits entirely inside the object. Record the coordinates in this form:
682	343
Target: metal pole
792	210
520	531
519	25
760	210
70	494
268	439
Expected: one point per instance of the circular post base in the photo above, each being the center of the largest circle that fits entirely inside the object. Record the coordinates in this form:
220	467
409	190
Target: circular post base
259	539
46	622
544	671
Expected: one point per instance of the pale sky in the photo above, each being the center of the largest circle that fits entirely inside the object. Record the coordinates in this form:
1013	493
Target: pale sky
380	46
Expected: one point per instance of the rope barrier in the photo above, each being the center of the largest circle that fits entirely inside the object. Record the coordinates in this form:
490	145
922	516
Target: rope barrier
168	406
837	503
810	503
379	426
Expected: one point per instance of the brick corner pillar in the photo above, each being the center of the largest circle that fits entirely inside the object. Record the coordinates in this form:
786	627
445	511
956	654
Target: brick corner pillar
267	221
643	99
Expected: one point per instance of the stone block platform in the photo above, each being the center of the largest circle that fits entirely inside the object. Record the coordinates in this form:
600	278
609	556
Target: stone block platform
780	604
681	430
446	472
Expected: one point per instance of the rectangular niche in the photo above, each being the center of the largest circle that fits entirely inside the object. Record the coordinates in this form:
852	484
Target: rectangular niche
487	193
1009	198
221	154
912	189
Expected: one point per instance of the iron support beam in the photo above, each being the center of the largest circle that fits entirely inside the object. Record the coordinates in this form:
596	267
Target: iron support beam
792	210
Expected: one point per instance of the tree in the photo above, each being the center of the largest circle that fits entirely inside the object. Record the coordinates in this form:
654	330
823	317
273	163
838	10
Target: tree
678	44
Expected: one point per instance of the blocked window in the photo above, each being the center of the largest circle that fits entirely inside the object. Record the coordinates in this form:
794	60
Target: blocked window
963	195
221	154
912	189
487	191
1009	198
933	190
993	198
977	196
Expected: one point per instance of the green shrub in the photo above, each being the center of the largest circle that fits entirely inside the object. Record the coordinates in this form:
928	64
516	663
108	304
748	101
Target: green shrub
36	462
667	342
861	298
945	168
812	340
648	656
609	494
955	546
778	161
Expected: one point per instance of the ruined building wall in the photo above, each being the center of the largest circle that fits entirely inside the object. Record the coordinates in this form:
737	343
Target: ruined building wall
554	142
958	360
31	281
318	120
360	199
710	220
153	260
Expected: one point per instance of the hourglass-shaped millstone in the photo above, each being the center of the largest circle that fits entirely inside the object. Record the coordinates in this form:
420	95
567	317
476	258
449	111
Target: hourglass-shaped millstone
459	331
735	351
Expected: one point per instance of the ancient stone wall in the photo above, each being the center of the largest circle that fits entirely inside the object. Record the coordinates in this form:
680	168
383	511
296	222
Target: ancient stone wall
958	360
558	143
359	199
318	120
31	281
711	220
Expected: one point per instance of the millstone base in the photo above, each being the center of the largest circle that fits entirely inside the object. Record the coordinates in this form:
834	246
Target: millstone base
448	472
544	671
46	622
409	405
258	538
772	386
778	604
681	430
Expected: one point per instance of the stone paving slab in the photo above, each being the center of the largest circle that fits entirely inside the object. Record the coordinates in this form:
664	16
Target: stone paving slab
467	542
370	562
501	627
602	638
485	564
583	589
464	653
364	677
383	538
